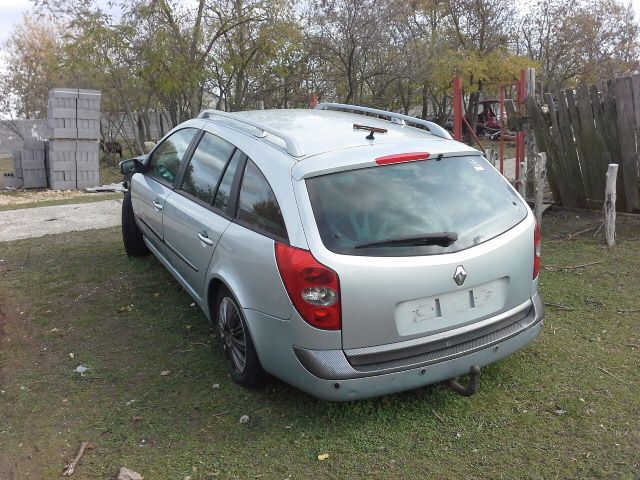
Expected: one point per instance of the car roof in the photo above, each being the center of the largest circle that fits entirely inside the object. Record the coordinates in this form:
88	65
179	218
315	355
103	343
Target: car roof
321	131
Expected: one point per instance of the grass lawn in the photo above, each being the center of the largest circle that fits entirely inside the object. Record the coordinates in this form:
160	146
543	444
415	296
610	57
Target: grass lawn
565	407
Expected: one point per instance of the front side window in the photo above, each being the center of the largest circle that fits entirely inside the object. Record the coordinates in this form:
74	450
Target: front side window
417	208
165	159
205	167
257	205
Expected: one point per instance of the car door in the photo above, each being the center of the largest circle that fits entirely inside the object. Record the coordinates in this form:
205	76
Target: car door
150	190
195	214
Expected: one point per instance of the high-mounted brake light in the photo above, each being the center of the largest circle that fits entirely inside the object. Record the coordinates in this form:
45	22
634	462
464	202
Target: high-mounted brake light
313	288
402	158
537	250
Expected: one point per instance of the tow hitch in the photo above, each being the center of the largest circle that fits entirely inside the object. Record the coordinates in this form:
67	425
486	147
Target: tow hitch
470	389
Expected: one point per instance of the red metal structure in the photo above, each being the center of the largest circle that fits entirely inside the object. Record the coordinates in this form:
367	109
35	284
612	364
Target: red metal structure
459	118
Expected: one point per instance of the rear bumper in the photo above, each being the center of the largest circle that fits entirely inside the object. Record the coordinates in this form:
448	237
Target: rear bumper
341	365
329	375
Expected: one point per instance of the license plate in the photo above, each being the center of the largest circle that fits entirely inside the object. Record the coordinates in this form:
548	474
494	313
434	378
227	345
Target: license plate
451	309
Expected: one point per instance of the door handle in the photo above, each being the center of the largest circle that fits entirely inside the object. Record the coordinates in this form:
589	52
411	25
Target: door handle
157	205
204	238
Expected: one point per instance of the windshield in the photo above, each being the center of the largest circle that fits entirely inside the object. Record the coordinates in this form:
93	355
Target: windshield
446	205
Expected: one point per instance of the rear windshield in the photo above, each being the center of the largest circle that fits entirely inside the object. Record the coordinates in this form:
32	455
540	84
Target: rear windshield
457	202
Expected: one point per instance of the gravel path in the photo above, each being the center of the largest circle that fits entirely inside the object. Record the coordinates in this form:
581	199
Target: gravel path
39	221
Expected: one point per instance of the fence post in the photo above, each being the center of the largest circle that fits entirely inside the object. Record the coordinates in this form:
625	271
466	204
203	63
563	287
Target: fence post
260	104
541	174
610	205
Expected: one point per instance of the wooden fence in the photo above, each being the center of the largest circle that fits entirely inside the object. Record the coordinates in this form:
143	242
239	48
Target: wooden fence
582	132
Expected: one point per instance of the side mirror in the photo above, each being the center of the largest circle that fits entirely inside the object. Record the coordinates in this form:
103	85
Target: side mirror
130	166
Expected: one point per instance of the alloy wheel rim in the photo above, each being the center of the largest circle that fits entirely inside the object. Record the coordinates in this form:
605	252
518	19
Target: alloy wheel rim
233	335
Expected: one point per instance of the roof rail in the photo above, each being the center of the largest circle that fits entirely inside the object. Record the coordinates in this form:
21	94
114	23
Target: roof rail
398	118
293	147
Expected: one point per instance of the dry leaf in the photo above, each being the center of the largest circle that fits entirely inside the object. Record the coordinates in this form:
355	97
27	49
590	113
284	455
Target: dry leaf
323	456
164	373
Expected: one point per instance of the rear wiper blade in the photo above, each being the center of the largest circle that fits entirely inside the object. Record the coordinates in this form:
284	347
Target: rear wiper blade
442	239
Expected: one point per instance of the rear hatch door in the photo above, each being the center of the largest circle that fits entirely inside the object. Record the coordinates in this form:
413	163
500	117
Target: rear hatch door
420	247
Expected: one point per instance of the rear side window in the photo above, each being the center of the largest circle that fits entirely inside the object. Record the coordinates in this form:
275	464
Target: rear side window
205	167
461	197
257	205
224	190
165	159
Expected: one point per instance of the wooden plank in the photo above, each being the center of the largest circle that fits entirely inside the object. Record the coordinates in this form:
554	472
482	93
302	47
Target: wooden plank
555	129
583	163
611	127
558	164
574	176
546	144
591	146
597	108
626	136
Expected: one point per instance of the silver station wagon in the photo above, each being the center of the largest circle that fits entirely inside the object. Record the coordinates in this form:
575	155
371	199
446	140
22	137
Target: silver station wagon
348	251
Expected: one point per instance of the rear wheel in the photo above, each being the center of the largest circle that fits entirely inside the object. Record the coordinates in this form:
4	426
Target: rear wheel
131	235
242	359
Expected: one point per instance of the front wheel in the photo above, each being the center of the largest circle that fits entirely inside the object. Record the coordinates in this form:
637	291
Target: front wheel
242	359
131	235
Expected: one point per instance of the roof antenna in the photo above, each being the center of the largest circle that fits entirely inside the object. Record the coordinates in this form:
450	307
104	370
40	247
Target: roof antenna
371	130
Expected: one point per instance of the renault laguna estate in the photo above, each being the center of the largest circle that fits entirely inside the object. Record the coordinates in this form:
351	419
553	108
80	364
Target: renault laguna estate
348	251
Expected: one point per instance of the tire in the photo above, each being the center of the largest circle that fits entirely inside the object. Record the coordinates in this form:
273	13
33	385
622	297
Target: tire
243	366
131	235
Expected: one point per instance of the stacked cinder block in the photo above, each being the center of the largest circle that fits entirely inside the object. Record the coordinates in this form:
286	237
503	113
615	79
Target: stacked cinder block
74	121
29	166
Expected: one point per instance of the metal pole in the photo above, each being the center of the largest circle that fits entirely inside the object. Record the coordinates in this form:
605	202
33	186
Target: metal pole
520	134
457	108
502	129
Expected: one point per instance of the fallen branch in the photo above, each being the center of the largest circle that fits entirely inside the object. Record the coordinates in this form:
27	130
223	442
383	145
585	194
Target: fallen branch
628	311
555	268
557	305
614	376
72	465
438	417
571	236
598	230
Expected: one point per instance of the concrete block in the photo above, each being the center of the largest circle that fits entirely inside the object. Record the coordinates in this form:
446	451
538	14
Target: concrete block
63	93
87	114
61	145
34	144
12	181
17	159
62	165
68	103
57	112
89	94
66	122
62	133
87	179
34	178
62	180
87	146
32	159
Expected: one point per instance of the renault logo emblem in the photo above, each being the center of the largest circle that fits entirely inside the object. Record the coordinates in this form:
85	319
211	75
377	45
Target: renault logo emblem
460	275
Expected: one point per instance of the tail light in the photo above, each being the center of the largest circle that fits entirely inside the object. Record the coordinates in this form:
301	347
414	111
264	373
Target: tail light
313	288
537	250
